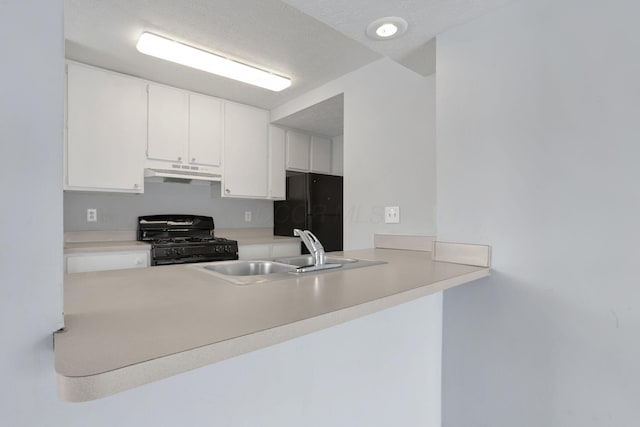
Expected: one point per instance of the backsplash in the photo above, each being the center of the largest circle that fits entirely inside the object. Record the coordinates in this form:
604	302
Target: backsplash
118	211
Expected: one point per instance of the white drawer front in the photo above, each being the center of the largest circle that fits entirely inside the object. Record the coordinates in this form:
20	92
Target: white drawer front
81	263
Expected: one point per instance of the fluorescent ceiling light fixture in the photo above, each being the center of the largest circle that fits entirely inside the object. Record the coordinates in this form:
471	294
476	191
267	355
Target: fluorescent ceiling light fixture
387	28
169	50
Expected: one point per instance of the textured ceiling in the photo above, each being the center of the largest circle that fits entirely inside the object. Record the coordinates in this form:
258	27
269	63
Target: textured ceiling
266	33
426	19
311	41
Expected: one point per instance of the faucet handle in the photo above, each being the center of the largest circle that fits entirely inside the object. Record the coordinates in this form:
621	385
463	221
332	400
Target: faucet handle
318	248
314	239
313	245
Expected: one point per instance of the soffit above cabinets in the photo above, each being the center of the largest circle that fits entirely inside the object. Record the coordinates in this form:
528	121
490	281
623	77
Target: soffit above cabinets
324	118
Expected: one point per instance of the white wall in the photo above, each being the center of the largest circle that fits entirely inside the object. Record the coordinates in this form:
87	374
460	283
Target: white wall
31	131
538	146
389	160
389	148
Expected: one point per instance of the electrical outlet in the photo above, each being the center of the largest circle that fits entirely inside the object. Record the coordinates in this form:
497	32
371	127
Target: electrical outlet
247	216
92	215
392	214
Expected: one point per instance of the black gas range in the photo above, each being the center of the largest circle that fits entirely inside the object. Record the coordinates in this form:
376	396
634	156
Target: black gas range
181	239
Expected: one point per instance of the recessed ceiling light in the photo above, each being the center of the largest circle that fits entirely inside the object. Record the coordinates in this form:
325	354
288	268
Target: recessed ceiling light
169	50
387	28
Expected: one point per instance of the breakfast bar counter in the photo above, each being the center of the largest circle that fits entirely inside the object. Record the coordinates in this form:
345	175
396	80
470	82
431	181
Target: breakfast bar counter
126	328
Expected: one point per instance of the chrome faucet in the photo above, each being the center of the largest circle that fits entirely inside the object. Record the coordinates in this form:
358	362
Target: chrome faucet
313	245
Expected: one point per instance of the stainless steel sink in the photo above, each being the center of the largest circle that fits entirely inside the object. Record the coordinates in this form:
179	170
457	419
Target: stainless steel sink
253	272
249	268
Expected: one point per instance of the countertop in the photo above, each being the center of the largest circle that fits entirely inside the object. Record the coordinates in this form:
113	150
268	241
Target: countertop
125	328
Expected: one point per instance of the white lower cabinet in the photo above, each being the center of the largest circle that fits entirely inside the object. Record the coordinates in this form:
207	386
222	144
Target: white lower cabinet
254	251
268	250
101	261
285	249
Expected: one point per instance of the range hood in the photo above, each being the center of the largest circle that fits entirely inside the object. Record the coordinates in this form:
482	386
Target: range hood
181	174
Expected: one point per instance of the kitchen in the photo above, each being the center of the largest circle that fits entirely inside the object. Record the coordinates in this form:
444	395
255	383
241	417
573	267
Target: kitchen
539	343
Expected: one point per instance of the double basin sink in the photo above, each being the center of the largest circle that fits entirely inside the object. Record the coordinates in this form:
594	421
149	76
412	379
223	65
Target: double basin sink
259	271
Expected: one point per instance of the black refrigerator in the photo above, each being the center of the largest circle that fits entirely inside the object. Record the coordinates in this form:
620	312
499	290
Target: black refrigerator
314	202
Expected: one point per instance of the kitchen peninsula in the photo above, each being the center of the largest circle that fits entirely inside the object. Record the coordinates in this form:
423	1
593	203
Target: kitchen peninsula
126	328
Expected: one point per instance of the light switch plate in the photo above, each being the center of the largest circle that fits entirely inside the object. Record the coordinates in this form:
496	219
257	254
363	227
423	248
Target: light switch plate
247	216
392	214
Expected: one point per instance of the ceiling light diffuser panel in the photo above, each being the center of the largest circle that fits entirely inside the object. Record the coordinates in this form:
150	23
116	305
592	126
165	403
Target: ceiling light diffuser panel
170	50
387	28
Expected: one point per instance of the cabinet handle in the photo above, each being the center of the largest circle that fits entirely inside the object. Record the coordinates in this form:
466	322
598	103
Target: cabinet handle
227	191
179	158
193	159
135	185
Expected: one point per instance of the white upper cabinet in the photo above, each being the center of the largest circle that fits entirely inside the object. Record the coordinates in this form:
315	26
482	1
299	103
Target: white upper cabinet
205	130
184	127
320	155
168	124
337	150
106	131
246	144
277	172
298	145
306	153
119	125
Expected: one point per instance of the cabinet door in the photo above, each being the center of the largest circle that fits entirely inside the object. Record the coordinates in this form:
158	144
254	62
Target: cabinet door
277	172
205	130
168	124
106	261
245	152
298	151
106	131
320	155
